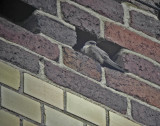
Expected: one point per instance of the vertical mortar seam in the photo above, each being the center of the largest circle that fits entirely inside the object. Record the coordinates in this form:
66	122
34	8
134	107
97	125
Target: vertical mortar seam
126	18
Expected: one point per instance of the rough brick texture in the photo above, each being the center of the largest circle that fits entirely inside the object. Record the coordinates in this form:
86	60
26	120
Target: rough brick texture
133	87
109	8
145	115
19	57
82	64
80	18
38	23
27	39
140	67
48	6
146	24
85	87
144	7
132	41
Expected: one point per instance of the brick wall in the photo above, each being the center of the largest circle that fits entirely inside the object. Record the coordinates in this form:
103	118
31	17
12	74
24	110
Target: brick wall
44	81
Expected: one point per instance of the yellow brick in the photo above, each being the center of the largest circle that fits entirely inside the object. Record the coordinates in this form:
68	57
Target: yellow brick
57	118
21	104
26	123
9	76
43	91
7	119
116	120
86	110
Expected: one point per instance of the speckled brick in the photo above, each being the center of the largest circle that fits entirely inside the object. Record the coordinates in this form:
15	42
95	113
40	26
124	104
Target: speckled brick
80	18
144	114
82	63
132	41
109	8
133	87
29	40
140	66
45	5
19	57
146	24
38	23
85	87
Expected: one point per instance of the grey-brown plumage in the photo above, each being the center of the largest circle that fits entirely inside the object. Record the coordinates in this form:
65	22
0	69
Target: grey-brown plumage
90	49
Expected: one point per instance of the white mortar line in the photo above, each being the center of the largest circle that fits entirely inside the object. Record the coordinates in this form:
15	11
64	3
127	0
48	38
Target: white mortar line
60	55
103	80
102	28
59	10
126	18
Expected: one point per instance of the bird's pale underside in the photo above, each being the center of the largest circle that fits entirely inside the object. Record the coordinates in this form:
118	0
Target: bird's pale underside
90	49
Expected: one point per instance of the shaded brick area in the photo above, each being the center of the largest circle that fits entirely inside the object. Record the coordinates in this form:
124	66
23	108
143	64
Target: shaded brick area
132	41
85	87
135	88
80	18
19	57
109	8
140	67
146	24
145	115
82	64
38	23
47	5
29	40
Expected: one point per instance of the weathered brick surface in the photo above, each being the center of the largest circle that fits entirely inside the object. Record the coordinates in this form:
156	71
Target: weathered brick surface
19	57
82	64
27	39
80	18
132	41
85	87
9	76
47	5
133	87
140	67
144	7
144	114
109	8
146	24
38	23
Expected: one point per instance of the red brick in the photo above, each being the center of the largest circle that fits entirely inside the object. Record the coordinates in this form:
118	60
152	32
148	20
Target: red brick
80	18
82	64
109	8
146	24
29	40
85	87
38	23
133	87
132	41
49	6
140	67
19	57
144	114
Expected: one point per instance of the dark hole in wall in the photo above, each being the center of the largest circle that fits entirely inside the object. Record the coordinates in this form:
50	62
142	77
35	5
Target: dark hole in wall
15	10
83	36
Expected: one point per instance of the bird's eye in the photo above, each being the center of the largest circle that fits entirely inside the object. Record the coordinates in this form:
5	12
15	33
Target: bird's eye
93	43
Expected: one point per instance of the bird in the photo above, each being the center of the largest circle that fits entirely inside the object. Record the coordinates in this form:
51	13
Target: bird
90	49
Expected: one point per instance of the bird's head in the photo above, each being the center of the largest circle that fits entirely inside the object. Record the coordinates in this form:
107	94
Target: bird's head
90	43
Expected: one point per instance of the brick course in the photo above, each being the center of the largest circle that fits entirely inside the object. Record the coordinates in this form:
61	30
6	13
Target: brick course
85	87
132	41
109	8
145	115
80	18
27	39
19	57
140	66
146	24
38	23
133	87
